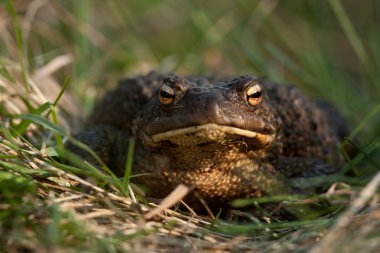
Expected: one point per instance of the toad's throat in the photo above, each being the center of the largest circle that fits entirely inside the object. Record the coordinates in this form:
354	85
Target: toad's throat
208	133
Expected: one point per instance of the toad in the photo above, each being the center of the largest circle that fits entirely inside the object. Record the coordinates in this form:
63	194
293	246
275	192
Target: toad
227	138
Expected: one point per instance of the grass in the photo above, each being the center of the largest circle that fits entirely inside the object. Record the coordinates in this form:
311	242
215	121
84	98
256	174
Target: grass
56	53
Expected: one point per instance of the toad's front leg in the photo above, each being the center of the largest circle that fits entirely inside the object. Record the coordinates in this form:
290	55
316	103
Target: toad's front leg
109	143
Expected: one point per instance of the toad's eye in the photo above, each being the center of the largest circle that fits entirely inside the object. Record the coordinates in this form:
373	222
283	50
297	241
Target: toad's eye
167	95
254	94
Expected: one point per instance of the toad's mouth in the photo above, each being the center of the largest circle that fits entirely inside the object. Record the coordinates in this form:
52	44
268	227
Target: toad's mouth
195	135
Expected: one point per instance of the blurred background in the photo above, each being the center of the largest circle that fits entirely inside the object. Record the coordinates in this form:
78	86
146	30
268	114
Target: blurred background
331	49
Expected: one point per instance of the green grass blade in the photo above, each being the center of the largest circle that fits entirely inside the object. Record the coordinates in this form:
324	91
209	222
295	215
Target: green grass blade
23	125
364	122
128	164
238	203
362	151
349	29
115	180
370	148
290	64
5	73
17	31
53	232
9	137
92	153
353	37
58	137
24	170
43	122
64	86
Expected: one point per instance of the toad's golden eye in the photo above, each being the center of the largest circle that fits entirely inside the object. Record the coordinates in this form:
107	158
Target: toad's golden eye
167	95
254	94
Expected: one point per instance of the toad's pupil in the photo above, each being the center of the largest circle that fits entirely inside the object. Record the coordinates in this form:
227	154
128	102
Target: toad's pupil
165	94
256	94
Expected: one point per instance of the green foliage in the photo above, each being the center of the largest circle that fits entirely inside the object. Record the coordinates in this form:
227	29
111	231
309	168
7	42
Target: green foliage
14	187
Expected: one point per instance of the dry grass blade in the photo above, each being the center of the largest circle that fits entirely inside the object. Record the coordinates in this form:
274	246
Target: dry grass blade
173	198
340	228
